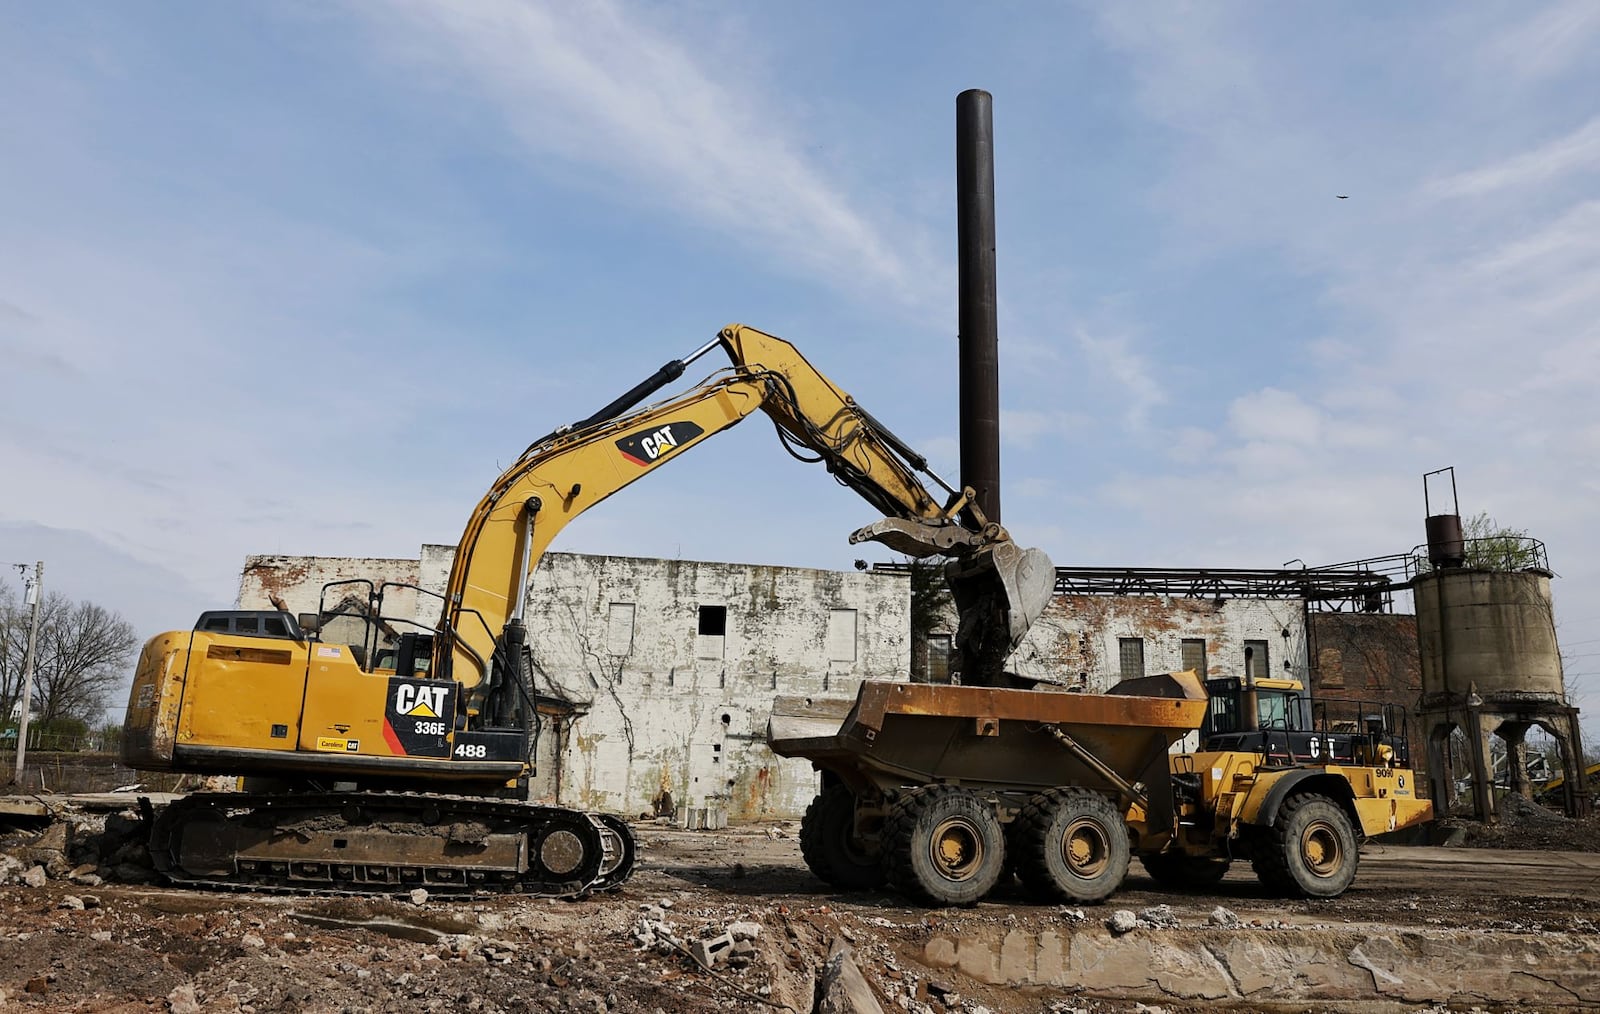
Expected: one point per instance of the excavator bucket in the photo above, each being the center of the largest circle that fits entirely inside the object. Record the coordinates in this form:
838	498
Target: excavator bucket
999	588
999	591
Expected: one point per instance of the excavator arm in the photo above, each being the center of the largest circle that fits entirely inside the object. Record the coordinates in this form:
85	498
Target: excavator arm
565	473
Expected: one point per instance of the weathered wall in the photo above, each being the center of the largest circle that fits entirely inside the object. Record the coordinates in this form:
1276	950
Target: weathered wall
1077	640
298	581
668	708
1370	657
661	706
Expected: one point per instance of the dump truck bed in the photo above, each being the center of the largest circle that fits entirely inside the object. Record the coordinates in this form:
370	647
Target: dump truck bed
983	737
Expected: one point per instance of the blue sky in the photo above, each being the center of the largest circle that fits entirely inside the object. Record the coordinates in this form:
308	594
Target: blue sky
300	278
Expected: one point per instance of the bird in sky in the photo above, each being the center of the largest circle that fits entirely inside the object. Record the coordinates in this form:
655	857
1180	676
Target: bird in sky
1342	197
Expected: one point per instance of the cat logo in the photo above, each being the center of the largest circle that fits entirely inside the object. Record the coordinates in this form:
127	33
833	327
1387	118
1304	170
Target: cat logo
420	701
645	449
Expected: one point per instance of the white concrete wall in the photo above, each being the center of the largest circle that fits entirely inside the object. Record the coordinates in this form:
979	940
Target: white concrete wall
666	708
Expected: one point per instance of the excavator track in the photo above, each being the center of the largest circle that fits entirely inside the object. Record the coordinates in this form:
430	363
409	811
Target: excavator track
381	842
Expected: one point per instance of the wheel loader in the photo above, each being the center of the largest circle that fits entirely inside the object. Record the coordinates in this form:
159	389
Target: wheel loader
941	791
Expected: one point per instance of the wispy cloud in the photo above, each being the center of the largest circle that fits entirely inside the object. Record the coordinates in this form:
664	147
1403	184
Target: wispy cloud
598	85
1027	427
1547	40
1577	151
1115	357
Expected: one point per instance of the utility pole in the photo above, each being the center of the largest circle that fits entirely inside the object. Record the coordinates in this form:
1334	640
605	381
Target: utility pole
33	596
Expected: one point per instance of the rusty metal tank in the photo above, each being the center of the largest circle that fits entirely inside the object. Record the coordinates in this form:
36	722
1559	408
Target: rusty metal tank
982	737
1492	630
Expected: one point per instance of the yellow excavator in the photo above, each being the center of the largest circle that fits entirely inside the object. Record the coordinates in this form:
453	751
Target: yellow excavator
397	760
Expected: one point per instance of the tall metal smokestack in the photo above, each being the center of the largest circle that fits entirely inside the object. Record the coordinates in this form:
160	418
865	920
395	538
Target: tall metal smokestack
979	341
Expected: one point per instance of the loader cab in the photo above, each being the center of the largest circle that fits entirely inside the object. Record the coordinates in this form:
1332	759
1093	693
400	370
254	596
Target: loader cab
1274	718
1240	708
1265	716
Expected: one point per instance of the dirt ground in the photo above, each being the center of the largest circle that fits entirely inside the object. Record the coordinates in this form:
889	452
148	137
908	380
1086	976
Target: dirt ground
79	945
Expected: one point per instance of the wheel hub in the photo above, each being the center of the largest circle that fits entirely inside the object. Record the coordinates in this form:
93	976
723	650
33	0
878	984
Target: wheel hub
1085	849
957	848
1321	849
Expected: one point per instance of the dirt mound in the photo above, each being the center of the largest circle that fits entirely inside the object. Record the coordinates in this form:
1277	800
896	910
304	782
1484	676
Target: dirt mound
1525	826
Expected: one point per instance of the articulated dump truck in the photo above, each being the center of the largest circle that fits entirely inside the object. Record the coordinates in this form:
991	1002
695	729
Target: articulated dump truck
940	791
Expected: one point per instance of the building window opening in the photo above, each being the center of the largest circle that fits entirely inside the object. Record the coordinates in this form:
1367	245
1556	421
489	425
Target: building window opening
713	621
710	631
842	635
1194	655
1130	653
1255	661
619	628
938	658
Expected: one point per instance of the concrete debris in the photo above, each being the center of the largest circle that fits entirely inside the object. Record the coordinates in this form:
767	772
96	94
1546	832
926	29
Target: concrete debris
419	896
841	989
1122	921
1158	917
71	903
1155	917
34	876
745	930
184	1000
710	951
1223	917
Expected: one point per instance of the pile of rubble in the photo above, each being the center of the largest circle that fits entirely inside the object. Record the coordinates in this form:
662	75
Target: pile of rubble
1525	826
84	848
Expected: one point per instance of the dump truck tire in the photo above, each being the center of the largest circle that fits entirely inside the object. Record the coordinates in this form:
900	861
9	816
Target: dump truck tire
1174	869
1074	846
943	845
828	842
1309	851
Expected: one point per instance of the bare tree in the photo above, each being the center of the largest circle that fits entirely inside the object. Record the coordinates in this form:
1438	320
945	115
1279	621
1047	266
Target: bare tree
82	654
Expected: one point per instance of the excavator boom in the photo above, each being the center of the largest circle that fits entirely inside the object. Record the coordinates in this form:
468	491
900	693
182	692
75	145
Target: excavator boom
1000	587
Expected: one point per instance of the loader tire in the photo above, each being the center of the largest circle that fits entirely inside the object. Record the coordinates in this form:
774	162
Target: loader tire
1310	850
829	844
1174	869
1074	846
943	845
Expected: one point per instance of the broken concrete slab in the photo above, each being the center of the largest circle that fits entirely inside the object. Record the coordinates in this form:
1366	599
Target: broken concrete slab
841	988
1243	964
